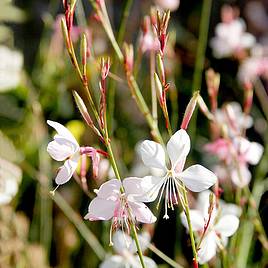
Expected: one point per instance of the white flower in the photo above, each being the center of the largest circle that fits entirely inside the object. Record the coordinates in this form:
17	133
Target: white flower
172	5
64	147
223	223
111	202
196	178
230	38
125	248
10	177
10	68
232	116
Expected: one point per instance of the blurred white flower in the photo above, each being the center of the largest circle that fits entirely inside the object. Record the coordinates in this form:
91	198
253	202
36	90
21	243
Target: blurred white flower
232	116
64	147
126	256
252	68
10	68
219	225
231	38
172	5
10	177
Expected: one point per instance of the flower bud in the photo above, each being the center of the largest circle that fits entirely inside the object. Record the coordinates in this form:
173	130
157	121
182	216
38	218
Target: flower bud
82	108
128	57
189	110
161	68
203	107
158	87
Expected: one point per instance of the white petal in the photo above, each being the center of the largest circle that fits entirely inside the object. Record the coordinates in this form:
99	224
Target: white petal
227	209
61	148
149	263
254	153
115	261
152	154
178	147
227	225
109	190
150	188
241	178
5	199
100	209
197	220
67	170
62	131
197	178
208	248
121	242
141	212
133	186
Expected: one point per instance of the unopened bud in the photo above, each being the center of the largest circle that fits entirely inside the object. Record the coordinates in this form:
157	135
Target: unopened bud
145	27
161	68
189	110
158	88
128	57
82	108
211	203
105	67
65	32
248	97
203	107
84	54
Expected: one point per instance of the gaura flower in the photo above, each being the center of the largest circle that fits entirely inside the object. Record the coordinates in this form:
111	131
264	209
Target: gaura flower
122	207
125	248
232	116
196	178
221	224
237	154
231	37
64	147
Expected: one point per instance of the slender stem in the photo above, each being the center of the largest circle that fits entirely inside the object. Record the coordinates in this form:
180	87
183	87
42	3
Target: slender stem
80	225
224	260
202	44
120	38
200	55
138	245
187	214
123	24
153	91
136	94
163	256
262	96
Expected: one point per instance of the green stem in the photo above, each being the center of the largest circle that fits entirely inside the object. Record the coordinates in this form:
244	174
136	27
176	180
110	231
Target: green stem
202	44
80	225
136	94
224	259
163	256
120	38
187	214
200	56
262	96
138	245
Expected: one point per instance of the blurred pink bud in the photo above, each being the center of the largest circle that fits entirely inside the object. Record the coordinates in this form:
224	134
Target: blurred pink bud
128	57
172	5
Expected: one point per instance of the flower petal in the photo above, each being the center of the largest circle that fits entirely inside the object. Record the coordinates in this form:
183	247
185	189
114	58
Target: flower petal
197	220
109	190
149	263
208	248
254	153
152	154
115	261
197	178
141	212
241	178
67	170
61	148
100	209
150	188
62	131
121	241
227	225
178	147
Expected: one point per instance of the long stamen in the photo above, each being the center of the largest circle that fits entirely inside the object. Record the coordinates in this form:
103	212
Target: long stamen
111	233
174	192
161	194
170	193
166	202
